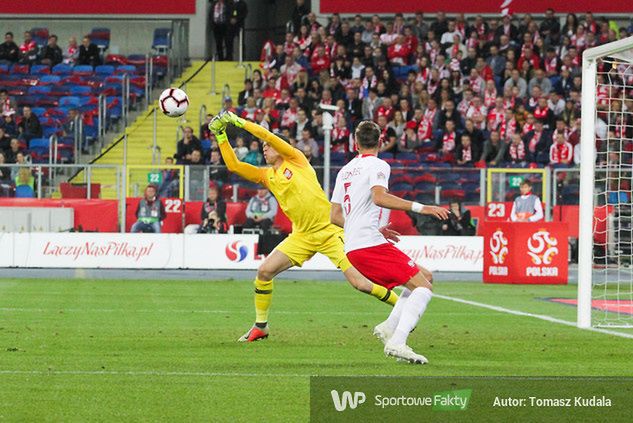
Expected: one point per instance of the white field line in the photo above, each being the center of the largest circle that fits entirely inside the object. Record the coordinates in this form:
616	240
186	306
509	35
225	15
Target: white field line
148	373
181	311
535	316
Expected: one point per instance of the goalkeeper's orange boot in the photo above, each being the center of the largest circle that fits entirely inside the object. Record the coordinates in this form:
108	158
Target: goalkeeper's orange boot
254	334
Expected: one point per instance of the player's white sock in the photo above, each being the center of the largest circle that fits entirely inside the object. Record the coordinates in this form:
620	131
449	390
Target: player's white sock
396	311
413	309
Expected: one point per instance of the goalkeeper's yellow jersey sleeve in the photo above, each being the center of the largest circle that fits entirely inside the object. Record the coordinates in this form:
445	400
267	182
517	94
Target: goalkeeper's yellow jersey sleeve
294	184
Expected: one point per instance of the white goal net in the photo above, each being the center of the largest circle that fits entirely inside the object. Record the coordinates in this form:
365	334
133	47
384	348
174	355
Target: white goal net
605	294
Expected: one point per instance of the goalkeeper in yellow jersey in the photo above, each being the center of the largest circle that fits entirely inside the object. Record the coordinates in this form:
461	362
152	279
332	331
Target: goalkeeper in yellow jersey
294	184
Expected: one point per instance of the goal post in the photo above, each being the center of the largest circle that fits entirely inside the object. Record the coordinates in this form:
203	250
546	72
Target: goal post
617	55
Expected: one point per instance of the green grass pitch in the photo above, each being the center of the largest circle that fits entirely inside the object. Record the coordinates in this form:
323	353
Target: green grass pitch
87	350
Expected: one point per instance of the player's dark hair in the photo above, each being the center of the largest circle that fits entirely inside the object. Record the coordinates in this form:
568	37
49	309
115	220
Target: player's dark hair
367	134
527	182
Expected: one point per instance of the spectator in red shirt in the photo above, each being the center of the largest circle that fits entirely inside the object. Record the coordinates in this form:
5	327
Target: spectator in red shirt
561	152
340	136
399	52
28	49
448	141
320	61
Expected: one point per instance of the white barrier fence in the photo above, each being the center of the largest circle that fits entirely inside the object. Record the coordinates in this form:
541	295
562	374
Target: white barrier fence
180	251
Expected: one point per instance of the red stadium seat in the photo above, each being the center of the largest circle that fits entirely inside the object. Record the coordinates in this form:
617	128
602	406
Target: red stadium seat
69	190
401	222
282	222
192	212
235	213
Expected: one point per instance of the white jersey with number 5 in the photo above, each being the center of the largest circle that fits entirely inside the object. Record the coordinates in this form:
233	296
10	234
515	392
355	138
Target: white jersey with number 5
352	191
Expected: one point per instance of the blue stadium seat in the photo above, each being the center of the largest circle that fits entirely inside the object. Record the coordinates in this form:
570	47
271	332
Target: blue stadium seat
50	79
70	101
100	37
38	111
62	69
24	191
48	131
40	36
40	89
80	90
129	69
162	39
40	70
83	70
104	70
39	145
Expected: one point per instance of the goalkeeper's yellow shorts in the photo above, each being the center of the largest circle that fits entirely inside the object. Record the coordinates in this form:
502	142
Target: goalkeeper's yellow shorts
329	241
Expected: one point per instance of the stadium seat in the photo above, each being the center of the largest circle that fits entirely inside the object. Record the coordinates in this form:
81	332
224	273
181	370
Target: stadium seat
24	191
125	69
39	145
192	212
70	101
50	79
38	111
449	185
85	70
80	90
100	37
282	222
425	177
40	89
40	70
449	194
427	187
104	70
47	131
401	222
235	213
40	36
162	40
20	69
62	69
206	145
402	186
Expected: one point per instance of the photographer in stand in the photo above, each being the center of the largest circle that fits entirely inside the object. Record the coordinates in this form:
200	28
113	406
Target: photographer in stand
459	223
213	214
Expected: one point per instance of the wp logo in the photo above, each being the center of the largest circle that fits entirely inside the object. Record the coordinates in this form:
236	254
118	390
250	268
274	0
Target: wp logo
236	251
347	399
498	247
542	247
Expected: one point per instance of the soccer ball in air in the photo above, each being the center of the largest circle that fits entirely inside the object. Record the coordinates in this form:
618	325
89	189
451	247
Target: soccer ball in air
173	102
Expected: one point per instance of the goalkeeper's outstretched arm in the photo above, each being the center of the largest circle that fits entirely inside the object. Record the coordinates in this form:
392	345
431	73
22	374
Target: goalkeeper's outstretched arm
245	170
284	149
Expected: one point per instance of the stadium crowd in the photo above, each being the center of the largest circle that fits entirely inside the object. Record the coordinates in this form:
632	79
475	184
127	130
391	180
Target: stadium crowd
501	92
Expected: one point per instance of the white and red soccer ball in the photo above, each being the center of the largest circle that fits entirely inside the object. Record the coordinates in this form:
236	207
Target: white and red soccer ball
173	102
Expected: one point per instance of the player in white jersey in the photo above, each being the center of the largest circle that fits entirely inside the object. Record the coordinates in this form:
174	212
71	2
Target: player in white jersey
358	202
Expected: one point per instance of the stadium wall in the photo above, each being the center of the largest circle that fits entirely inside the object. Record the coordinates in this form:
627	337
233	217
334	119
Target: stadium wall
179	251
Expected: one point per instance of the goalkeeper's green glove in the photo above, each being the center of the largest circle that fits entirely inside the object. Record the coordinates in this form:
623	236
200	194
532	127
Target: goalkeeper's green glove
233	119
219	130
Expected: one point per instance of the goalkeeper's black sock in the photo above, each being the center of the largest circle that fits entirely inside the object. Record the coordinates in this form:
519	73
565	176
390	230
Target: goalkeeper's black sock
261	325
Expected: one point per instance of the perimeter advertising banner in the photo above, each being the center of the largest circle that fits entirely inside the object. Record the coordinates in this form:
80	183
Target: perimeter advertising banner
481	6
100	7
179	251
531	253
